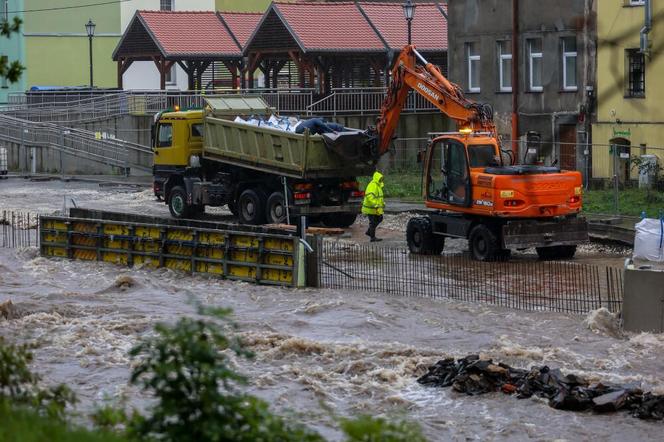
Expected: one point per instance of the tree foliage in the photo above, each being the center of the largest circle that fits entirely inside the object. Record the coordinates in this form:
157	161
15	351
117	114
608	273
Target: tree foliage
10	70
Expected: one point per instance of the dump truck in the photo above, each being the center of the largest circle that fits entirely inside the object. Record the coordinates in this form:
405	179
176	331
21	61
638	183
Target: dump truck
471	191
203	157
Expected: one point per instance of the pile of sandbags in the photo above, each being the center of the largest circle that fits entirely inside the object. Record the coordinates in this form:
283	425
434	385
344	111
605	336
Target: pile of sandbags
649	240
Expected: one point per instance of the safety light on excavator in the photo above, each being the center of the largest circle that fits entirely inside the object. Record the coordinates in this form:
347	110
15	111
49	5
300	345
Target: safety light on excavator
177	108
466	131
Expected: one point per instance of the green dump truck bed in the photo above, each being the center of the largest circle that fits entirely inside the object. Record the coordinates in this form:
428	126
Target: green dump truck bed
268	149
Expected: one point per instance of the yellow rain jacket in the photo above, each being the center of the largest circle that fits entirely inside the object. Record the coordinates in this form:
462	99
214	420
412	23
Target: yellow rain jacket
374	203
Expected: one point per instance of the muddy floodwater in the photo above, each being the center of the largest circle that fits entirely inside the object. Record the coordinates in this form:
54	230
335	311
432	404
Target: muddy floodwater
316	351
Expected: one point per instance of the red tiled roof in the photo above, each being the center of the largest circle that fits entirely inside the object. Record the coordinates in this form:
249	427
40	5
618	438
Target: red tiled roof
242	24
338	26
429	26
193	33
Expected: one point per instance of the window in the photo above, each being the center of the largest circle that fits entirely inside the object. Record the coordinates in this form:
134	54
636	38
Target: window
636	73
473	55
165	138
166	5
569	63
5	10
637	2
504	66
482	155
535	65
197	130
456	171
170	76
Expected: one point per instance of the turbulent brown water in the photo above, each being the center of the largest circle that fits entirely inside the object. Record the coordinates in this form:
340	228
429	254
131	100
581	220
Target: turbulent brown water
318	352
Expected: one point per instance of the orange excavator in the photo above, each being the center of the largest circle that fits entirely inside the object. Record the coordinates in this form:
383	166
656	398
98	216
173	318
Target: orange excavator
473	195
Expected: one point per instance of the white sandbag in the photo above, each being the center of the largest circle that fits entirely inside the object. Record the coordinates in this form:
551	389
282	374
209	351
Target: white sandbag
649	240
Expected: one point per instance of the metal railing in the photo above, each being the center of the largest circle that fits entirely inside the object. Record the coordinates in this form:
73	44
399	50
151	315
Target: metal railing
70	107
76	142
19	229
525	285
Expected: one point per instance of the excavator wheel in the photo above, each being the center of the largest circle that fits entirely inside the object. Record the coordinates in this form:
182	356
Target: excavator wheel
556	252
420	237
483	244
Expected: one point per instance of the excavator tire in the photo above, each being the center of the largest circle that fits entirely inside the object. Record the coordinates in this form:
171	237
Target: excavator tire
421	239
483	244
556	252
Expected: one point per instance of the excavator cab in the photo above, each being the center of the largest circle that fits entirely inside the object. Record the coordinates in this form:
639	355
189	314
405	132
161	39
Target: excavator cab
451	162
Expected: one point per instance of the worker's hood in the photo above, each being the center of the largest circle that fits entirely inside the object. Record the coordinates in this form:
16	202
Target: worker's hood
378	178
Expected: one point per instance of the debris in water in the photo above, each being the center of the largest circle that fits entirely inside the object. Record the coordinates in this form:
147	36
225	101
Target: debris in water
474	376
603	321
8	310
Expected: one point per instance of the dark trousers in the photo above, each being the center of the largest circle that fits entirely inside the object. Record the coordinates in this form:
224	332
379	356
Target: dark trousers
374	220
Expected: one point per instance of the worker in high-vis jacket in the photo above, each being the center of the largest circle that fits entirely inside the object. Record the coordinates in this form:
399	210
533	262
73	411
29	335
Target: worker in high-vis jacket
373	204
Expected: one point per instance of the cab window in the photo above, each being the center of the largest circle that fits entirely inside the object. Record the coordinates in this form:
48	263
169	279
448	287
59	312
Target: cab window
483	155
165	135
197	130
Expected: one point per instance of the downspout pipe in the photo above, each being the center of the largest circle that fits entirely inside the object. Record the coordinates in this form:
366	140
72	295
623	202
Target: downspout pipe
515	78
647	27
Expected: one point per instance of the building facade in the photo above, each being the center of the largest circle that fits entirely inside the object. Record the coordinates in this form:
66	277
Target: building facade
13	48
630	115
551	69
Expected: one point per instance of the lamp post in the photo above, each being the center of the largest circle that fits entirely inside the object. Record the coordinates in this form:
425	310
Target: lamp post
90	30
409	13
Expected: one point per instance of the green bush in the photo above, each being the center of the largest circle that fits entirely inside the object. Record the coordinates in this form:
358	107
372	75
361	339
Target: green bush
369	429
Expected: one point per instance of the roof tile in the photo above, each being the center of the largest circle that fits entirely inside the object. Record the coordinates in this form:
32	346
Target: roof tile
429	26
338	26
193	33
242	24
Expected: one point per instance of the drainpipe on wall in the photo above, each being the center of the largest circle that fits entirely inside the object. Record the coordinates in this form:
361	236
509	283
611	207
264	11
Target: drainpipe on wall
647	27
515	78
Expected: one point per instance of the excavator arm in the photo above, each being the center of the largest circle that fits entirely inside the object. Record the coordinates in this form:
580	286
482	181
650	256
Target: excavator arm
412	72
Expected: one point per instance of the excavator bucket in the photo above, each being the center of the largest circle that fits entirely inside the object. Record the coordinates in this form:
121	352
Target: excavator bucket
352	145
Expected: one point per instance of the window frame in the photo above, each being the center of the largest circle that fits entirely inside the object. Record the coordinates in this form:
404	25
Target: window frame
504	58
565	54
170	7
470	59
531	56
629	83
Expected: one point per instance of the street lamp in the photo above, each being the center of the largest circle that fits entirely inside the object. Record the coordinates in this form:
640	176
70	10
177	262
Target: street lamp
409	13
90	30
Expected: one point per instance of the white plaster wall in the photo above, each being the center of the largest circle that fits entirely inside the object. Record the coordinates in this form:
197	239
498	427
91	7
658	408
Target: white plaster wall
143	75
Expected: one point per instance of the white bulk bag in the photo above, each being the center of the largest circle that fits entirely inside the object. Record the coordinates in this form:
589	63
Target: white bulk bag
649	240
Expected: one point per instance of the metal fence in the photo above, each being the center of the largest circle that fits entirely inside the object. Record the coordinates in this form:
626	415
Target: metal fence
76	142
19	229
519	284
72	106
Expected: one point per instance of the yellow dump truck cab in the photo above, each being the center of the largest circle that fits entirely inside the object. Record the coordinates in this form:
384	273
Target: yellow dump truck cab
177	141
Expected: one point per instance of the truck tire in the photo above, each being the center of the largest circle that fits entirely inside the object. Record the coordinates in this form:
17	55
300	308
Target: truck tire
275	209
251	207
483	244
421	239
555	252
341	220
177	203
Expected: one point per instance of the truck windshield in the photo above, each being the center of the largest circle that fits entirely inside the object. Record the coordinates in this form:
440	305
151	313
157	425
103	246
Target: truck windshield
482	155
197	130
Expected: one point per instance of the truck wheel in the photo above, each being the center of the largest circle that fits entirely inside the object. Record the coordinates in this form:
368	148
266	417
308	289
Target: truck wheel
177	203
275	209
341	220
251	207
420	237
556	252
483	244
